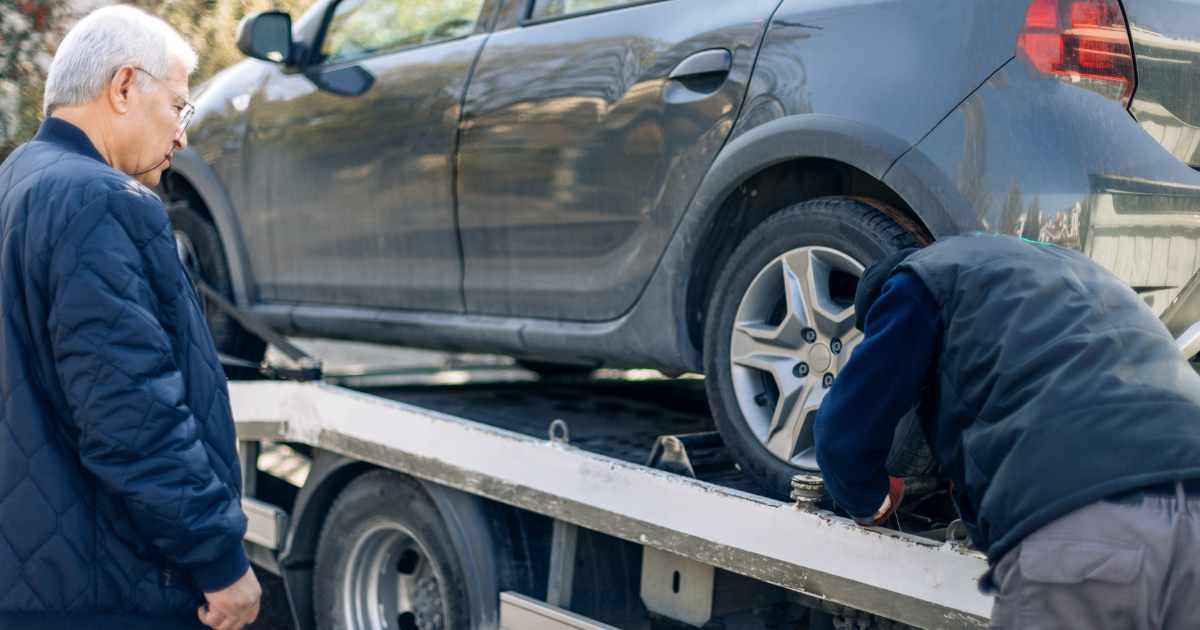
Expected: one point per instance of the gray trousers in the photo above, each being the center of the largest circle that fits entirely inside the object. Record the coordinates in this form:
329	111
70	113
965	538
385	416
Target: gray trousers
1130	563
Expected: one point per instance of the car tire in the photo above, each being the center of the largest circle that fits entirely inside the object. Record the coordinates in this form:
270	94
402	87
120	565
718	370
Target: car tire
201	252
385	553
769	358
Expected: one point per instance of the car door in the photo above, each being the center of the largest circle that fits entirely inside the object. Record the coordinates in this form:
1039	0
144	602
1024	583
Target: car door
588	125
352	155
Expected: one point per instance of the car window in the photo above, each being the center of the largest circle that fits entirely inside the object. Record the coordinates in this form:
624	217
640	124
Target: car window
361	28
546	9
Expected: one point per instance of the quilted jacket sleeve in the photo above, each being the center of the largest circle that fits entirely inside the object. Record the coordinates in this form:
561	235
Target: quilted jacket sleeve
109	274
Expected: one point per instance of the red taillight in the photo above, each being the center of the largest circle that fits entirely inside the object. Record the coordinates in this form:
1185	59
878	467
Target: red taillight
1081	41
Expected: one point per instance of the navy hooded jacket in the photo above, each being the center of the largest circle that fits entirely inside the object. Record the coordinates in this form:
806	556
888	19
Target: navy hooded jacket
119	478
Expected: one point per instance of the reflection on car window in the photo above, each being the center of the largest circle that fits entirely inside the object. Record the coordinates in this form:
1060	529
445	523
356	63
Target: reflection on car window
361	28
543	9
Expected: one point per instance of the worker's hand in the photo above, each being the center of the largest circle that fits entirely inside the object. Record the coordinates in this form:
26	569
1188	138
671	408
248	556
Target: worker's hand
234	606
890	502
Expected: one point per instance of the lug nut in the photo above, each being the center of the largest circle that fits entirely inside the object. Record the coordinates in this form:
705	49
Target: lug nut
836	345
827	380
800	370
809	335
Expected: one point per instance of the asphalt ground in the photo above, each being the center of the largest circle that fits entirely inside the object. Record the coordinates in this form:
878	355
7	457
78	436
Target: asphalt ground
274	614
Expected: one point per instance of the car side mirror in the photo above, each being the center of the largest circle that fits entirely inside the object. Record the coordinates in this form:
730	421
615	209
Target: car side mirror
266	35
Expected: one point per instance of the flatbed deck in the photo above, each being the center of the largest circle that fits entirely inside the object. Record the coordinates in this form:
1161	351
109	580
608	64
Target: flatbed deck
491	440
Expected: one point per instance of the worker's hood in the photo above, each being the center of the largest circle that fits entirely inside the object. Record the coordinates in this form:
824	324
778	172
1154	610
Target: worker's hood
872	283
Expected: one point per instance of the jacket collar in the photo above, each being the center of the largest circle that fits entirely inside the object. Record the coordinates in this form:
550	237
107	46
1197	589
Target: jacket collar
68	136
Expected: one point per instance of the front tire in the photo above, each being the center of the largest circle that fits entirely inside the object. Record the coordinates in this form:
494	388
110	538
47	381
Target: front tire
780	325
201	253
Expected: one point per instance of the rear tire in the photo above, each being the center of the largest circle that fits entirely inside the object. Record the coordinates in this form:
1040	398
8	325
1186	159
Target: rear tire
201	252
385	554
765	398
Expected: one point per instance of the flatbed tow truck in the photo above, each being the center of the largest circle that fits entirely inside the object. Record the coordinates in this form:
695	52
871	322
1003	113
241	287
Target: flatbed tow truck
410	499
591	503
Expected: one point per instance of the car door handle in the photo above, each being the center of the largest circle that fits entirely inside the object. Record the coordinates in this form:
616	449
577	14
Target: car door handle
705	63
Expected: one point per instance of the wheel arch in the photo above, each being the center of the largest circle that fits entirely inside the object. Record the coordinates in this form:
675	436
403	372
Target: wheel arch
192	179
788	161
328	476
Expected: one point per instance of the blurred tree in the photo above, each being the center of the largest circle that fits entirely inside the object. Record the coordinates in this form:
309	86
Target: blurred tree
31	29
27	29
210	26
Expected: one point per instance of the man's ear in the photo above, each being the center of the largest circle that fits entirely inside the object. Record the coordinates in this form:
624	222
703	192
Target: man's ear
120	88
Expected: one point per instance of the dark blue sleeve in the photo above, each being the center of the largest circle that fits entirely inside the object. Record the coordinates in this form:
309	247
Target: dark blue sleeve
126	394
881	382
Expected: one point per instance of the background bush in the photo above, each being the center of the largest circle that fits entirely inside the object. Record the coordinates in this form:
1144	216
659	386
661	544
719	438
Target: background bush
31	29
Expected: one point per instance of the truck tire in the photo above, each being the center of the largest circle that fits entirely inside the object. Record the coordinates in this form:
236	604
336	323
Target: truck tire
201	252
780	324
385	556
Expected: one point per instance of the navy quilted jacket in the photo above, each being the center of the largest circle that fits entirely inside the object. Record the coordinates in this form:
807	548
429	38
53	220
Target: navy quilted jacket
119	479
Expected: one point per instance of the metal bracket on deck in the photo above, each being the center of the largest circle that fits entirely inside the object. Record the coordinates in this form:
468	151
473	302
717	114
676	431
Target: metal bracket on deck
560	433
696	455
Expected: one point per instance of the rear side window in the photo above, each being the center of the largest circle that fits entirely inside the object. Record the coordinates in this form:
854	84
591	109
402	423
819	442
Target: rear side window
361	28
546	9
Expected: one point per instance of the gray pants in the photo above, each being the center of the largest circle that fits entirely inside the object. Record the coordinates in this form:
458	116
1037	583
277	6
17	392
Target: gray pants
1132	563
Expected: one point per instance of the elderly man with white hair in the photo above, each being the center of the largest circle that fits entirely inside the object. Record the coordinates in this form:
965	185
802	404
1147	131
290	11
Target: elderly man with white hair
120	489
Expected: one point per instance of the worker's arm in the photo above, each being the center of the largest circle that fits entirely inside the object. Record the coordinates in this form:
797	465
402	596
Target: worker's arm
879	385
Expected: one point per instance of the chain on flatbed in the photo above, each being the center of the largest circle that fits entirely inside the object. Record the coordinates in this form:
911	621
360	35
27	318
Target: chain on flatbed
491	441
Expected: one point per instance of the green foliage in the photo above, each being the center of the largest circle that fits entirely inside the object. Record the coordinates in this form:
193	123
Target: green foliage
27	28
210	26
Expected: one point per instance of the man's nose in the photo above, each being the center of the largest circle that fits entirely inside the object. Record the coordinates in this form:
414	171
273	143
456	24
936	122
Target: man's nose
181	141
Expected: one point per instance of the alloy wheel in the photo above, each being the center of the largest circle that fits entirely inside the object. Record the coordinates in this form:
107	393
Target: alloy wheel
792	334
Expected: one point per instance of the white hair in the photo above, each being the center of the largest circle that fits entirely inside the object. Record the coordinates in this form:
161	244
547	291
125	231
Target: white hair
101	44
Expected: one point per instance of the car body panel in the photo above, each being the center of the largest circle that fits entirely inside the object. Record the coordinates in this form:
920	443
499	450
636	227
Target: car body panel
1050	161
897	66
371	223
654	333
1166	46
212	166
579	155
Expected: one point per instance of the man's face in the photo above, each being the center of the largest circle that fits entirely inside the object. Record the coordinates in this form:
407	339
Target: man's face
152	126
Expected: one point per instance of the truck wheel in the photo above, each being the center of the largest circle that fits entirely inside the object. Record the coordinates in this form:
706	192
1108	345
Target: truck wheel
201	253
386	560
779	326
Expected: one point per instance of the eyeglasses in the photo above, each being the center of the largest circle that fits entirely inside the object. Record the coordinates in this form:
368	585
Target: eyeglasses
185	113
